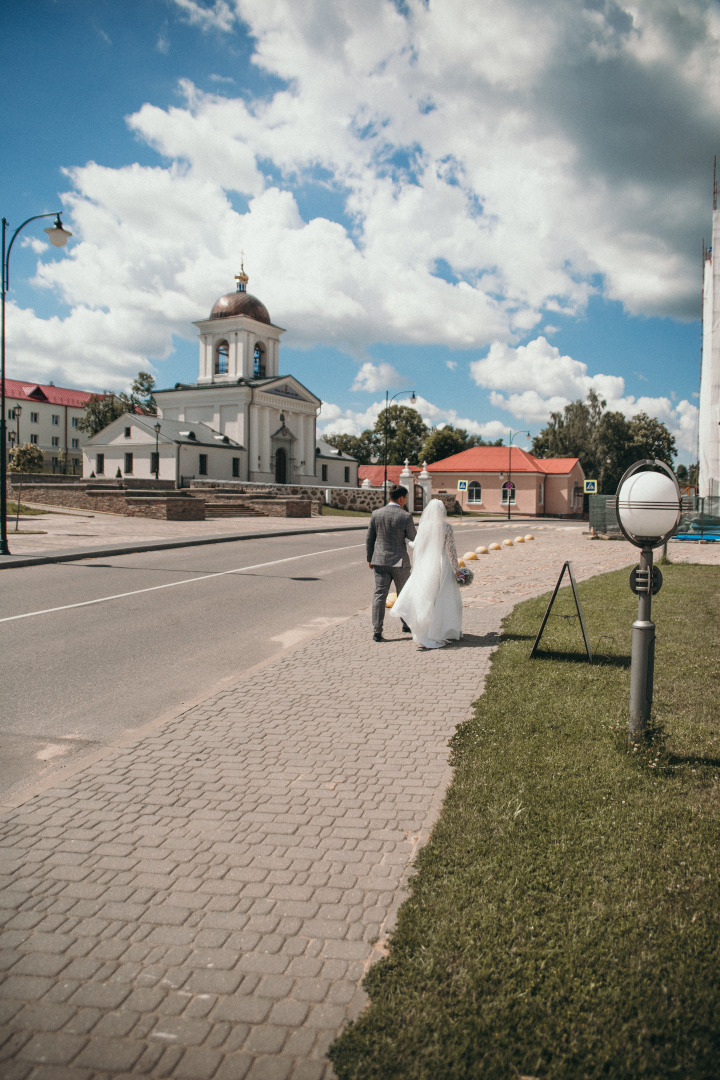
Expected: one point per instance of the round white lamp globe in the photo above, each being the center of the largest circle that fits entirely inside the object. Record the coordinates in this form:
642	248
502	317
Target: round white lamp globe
648	505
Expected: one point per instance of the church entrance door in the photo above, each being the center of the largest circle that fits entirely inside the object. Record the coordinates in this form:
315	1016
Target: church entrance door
280	466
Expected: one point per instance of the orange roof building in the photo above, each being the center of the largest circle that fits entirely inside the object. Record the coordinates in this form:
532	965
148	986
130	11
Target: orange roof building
501	477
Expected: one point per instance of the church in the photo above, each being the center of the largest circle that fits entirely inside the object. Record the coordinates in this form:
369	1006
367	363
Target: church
265	421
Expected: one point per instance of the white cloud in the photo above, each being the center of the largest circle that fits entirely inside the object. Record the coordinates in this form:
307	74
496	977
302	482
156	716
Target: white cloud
540	151
534	380
373	377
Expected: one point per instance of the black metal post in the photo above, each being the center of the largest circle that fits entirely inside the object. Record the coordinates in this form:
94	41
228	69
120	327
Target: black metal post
157	451
642	664
4	549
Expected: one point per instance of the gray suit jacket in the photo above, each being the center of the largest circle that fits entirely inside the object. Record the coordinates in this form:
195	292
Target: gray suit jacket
390	527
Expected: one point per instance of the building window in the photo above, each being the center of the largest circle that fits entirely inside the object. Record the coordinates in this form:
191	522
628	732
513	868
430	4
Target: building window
222	351
541	494
128	432
54	464
128	463
154	462
99	464
202	464
34	418
76	444
259	361
508	496
56	440
324	472
474	494
55	419
33	437
75	421
11	414
347	474
236	466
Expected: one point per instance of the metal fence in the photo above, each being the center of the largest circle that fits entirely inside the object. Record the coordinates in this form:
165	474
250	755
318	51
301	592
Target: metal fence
700	516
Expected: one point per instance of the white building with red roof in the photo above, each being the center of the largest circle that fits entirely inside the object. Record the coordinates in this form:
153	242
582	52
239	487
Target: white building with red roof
501	477
47	416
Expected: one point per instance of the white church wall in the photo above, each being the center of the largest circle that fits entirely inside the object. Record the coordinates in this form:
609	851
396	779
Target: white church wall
709	409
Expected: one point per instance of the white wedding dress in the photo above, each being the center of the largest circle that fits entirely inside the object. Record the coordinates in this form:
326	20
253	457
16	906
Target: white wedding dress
430	603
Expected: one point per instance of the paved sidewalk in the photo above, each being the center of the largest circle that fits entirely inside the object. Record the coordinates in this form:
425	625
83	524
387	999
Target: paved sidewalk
202	903
63	535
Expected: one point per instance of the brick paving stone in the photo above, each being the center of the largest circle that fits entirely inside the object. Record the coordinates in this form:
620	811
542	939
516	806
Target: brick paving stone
219	882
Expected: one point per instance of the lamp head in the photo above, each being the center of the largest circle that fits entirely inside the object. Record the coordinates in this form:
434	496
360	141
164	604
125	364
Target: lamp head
157	428
648	503
57	235
413	398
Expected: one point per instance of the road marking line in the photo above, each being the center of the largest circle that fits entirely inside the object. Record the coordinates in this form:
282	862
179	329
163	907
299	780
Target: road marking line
172	584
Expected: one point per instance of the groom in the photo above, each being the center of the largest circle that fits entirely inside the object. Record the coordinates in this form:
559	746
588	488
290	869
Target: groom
387	556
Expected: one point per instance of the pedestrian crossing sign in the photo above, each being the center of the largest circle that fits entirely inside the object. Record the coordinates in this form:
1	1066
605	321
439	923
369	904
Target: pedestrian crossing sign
591	487
462	485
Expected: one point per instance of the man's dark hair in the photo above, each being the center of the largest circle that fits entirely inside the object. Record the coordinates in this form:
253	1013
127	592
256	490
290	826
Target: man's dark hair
397	492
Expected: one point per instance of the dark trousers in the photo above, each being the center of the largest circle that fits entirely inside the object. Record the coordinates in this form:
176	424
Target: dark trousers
384	577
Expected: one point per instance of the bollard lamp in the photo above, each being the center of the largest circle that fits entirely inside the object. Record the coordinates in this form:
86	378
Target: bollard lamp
648	510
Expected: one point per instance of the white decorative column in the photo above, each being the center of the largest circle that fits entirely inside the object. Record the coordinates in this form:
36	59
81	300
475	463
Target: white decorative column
406	479
425	482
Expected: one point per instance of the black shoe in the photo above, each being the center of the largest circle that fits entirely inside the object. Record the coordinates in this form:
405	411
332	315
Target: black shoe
406	629
378	637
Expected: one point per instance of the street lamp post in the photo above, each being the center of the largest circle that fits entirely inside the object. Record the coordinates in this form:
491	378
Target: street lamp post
509	484
387	405
17	410
58	237
157	450
648	510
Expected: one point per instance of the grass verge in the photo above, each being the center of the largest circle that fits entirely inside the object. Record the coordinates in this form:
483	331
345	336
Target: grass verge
563	920
336	511
25	511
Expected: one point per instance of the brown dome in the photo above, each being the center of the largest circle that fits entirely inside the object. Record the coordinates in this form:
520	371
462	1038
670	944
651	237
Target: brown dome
240	303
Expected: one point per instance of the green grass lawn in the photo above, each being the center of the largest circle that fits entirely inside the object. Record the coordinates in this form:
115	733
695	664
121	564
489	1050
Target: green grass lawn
25	511
563	920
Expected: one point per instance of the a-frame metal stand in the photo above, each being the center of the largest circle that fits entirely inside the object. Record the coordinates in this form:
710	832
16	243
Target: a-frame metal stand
568	567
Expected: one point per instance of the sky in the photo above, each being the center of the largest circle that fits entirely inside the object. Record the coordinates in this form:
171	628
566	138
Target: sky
499	205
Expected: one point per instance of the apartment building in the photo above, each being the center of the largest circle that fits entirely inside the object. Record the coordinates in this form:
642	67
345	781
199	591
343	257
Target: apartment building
47	416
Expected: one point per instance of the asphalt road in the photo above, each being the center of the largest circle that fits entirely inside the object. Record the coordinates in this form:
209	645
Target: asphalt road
92	650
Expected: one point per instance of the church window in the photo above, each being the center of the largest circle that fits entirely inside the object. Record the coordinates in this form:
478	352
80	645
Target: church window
347	474
259	361
99	464
128	463
128	432
474	492
202	464
324	472
221	358
236	466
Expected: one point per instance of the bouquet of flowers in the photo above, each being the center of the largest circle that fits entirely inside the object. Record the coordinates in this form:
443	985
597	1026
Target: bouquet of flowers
464	576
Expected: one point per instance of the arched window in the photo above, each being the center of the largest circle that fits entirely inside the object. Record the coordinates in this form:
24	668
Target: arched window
474	494
259	361
221	358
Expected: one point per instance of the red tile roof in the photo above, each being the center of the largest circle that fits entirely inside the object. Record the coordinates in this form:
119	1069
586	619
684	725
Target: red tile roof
494	459
376	473
54	395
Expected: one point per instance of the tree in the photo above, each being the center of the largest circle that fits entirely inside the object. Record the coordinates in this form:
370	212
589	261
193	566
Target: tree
443	443
361	447
606	442
406	433
141	394
27	458
102	409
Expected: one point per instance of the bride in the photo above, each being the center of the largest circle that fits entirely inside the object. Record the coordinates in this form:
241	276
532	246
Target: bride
430	602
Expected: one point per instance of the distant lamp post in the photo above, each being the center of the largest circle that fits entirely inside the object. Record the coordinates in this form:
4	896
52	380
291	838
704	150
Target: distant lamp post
17	410
157	450
387	405
58	237
508	485
648	510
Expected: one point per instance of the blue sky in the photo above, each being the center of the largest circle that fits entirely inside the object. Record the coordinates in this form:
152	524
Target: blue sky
498	205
